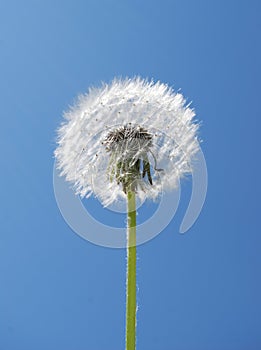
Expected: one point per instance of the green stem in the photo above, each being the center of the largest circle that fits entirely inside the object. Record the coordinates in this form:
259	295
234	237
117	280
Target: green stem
131	274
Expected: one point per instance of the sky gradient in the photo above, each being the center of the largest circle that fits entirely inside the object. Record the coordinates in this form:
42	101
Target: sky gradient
196	291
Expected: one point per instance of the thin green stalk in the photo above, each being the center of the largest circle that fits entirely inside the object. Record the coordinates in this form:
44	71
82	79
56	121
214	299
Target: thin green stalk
131	273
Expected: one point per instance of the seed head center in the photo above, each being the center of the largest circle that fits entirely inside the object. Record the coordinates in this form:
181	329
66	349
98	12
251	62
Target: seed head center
129	164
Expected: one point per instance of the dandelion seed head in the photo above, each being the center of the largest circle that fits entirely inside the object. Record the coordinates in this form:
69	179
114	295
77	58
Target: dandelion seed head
130	134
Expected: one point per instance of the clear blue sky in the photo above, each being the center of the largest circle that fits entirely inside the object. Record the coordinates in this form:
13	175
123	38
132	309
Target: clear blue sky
197	291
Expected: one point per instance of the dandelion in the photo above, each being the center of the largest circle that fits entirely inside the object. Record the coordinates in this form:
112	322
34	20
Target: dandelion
124	142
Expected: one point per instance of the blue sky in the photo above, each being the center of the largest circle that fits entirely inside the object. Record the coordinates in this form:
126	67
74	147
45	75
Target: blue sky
200	290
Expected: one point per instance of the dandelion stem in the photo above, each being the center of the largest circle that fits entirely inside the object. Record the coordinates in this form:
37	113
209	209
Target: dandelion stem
131	273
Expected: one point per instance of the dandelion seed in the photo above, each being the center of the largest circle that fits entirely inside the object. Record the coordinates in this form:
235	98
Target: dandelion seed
156	126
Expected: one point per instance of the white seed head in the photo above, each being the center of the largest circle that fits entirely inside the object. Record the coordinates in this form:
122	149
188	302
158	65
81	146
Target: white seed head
130	134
